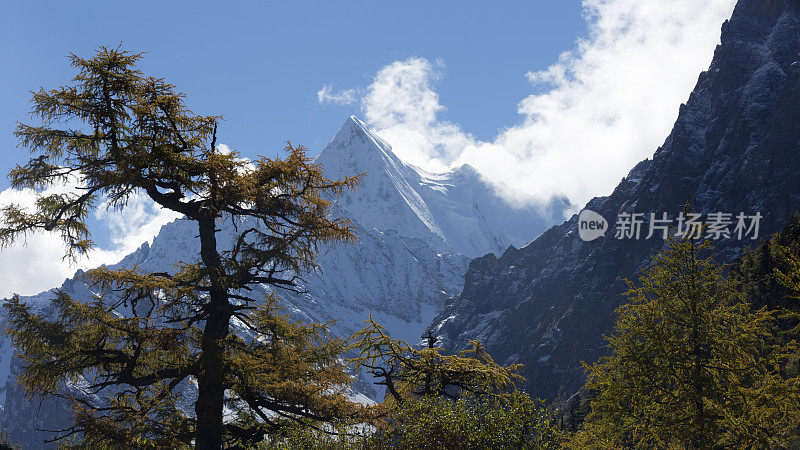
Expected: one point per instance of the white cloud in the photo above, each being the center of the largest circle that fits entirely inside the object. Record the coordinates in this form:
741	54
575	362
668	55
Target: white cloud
595	113
35	264
130	227
402	105
328	95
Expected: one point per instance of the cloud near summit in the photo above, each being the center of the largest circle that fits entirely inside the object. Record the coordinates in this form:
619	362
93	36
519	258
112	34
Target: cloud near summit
602	107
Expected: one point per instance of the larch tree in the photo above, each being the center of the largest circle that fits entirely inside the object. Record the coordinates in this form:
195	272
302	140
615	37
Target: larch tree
759	271
691	364
409	373
129	358
437	400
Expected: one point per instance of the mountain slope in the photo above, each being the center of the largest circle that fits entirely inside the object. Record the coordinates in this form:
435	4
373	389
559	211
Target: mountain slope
736	143
406	263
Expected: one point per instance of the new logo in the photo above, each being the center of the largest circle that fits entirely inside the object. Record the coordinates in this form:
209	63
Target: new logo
591	225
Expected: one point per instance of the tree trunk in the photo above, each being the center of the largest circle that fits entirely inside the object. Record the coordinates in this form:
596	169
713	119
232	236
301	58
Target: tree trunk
211	386
699	439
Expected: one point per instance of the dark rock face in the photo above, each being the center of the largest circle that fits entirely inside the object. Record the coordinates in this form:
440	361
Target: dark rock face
29	423
736	144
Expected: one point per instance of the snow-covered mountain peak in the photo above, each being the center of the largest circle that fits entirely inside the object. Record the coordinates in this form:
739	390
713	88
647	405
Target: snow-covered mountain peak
353	126
386	198
356	149
458	210
466	170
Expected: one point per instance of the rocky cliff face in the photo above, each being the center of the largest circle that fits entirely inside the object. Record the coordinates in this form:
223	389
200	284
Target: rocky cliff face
736	144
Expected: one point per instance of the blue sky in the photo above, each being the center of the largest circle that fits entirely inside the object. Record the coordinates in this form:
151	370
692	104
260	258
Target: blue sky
548	97
260	64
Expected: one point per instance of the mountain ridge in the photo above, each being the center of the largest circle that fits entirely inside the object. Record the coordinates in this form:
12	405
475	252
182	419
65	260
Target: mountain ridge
732	149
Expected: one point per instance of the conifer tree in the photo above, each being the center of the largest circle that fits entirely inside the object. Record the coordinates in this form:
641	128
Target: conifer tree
127	358
438	400
409	373
691	365
758	272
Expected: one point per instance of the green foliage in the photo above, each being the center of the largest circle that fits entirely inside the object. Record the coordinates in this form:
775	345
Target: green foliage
409	373
517	422
89	344
335	438
761	273
788	277
691	365
570	414
439	401
769	277
434	401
